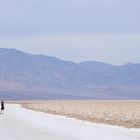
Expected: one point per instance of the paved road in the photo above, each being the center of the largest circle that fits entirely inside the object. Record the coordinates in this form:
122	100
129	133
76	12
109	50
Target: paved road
21	124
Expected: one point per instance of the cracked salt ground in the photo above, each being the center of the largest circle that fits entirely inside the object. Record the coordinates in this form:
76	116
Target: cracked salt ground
19	124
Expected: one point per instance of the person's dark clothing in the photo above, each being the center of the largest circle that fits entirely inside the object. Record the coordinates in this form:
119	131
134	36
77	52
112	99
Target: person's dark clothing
2	105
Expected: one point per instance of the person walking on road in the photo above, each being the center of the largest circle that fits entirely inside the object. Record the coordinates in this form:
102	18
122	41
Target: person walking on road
2	107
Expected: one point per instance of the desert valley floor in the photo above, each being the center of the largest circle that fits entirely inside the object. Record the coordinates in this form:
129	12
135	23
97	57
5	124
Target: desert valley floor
19	123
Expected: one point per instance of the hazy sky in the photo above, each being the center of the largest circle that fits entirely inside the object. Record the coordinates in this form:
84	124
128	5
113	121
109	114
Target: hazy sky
102	30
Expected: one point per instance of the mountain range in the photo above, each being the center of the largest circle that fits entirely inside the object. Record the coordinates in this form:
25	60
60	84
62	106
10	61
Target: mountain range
26	76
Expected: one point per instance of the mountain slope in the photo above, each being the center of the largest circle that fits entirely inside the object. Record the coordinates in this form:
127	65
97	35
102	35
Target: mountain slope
25	76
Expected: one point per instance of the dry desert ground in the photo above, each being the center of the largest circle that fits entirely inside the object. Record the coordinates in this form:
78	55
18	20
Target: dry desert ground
121	113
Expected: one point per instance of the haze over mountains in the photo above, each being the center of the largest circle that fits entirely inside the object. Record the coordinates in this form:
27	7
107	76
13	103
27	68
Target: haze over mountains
26	76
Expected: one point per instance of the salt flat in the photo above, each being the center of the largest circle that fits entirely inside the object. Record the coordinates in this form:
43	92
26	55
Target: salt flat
114	112
21	124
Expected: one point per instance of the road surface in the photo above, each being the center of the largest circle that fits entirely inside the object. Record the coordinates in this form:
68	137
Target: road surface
21	124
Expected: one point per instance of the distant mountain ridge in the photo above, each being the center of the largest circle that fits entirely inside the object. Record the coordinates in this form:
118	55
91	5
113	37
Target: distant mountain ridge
26	76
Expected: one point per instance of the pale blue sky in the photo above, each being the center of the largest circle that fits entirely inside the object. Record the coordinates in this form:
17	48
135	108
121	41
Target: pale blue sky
102	30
